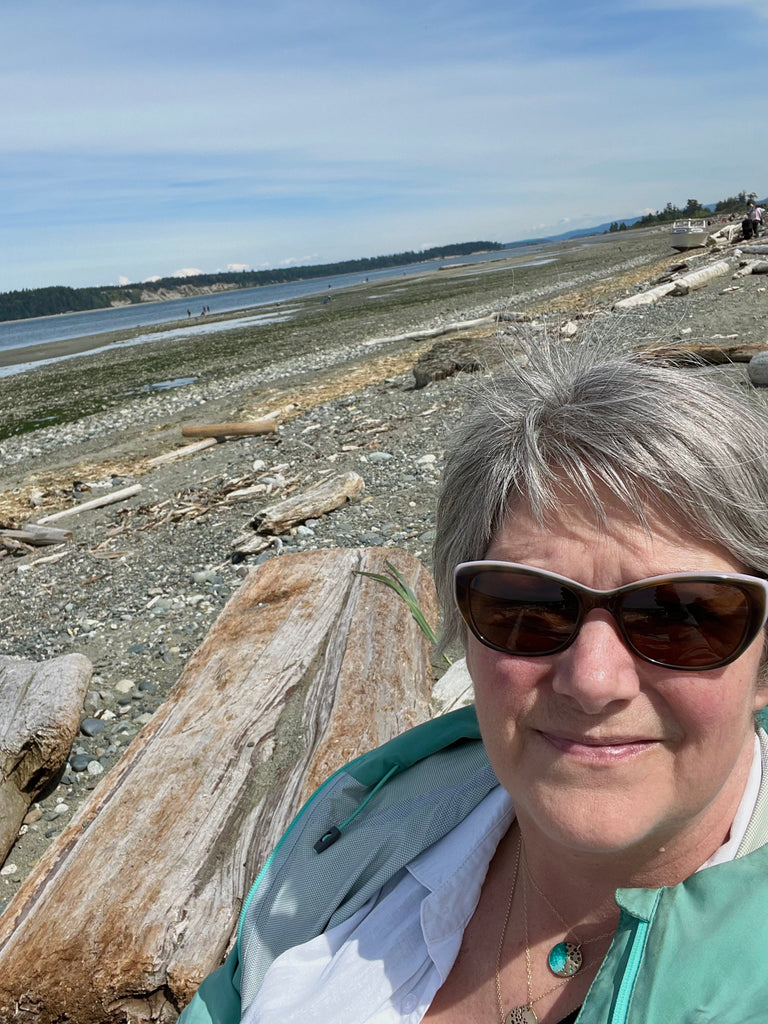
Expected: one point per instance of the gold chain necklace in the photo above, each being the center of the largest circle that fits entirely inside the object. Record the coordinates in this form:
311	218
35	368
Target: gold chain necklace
519	1014
565	958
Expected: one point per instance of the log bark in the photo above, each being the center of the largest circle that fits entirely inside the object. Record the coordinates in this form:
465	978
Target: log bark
315	501
40	708
308	665
106	499
265	426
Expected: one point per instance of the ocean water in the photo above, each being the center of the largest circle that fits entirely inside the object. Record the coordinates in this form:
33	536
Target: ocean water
18	334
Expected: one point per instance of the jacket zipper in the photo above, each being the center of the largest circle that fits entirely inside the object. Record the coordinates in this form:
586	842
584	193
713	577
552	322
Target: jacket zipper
621	1007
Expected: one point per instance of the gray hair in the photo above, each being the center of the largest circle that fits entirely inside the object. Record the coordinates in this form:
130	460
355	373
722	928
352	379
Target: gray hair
599	420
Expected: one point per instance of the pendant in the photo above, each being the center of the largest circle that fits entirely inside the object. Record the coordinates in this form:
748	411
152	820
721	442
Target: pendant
521	1015
565	959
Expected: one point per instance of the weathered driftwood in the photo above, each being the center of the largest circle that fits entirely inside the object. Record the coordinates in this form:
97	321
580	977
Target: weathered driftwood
40	708
38	536
265	426
445	358
756	267
725	235
250	543
183	453
760	248
315	501
646	298
308	665
106	499
696	354
700	278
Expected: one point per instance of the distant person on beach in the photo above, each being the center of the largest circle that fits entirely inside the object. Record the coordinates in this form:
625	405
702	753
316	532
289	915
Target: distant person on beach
590	839
747	225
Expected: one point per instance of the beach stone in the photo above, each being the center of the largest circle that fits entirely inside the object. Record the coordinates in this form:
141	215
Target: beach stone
79	762
757	369
124	686
94	768
379	456
9	869
92	726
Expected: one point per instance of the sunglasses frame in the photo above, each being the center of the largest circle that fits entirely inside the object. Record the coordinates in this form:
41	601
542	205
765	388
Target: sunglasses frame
755	589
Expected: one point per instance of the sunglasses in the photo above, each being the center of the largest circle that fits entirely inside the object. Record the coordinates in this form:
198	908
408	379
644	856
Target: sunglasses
688	620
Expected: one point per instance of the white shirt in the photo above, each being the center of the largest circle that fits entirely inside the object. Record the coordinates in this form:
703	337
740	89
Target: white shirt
384	964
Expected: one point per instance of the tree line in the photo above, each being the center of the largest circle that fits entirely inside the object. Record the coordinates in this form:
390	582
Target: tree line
29	302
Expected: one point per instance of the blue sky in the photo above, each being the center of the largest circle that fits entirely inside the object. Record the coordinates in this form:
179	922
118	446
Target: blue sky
143	138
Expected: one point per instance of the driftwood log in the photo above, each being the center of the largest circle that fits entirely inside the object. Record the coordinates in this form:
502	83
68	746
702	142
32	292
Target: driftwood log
106	499
700	278
185	452
40	708
37	536
308	665
647	298
704	352
265	426
315	501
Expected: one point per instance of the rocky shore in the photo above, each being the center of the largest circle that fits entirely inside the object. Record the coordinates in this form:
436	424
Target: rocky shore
143	580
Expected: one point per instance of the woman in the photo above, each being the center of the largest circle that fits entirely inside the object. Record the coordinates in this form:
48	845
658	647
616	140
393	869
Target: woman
597	850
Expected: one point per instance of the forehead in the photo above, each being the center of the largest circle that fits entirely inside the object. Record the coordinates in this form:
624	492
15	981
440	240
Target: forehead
609	547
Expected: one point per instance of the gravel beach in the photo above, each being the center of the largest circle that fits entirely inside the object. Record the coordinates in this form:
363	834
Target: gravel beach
143	580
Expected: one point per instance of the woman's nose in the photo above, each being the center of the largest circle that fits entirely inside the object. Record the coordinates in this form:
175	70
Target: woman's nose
598	668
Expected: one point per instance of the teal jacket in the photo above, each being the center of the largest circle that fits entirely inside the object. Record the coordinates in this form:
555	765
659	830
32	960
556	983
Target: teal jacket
687	954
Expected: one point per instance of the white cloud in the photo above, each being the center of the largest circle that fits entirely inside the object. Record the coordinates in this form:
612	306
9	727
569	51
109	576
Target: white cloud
187	272
235	267
122	279
149	280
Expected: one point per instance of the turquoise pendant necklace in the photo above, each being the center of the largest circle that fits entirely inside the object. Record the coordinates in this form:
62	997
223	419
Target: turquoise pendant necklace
565	958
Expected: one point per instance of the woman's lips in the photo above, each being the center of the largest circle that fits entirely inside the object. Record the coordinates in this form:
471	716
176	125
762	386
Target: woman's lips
590	748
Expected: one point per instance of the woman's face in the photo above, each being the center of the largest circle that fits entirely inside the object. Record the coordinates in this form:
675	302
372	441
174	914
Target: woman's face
600	751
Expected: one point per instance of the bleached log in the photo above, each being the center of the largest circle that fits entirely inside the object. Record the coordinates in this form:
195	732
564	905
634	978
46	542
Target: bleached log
315	501
700	278
725	235
646	298
40	707
308	665
38	536
458	325
757	267
183	453
266	426
85	506
760	248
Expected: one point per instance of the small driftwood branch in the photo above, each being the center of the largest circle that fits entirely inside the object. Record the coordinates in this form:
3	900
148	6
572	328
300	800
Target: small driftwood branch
182	453
266	426
105	499
315	501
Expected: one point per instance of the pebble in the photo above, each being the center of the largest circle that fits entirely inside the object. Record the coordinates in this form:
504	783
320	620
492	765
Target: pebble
9	869
92	726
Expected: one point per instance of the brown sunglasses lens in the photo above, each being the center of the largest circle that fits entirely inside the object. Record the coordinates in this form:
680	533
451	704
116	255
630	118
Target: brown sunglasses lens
692	624
522	614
